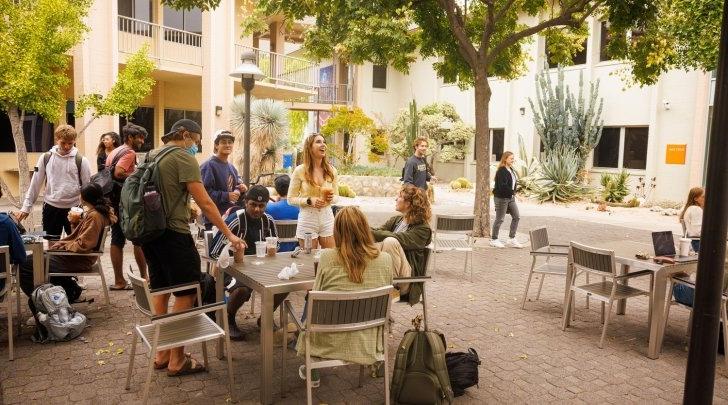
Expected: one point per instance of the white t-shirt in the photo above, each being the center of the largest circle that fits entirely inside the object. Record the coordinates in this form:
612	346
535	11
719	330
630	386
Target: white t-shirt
693	219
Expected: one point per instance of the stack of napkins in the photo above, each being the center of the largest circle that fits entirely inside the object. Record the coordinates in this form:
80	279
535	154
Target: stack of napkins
288	272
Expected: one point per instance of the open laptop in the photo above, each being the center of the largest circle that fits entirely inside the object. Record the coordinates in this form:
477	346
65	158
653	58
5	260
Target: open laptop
664	244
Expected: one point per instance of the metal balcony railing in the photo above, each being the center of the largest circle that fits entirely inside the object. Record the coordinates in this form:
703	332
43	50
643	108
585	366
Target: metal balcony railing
282	69
165	43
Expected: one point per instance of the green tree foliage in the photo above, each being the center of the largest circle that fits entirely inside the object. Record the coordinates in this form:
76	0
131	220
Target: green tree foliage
297	121
35	38
352	122
133	83
190	4
472	42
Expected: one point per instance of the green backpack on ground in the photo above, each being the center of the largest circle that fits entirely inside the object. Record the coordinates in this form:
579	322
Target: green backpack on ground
142	215
420	371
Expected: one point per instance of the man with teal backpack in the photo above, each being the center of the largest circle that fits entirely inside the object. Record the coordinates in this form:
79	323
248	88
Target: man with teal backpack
420	371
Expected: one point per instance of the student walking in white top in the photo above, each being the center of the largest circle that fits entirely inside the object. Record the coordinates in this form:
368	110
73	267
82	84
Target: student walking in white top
64	171
692	215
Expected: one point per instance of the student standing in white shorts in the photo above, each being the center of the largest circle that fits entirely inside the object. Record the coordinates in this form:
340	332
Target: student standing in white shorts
314	188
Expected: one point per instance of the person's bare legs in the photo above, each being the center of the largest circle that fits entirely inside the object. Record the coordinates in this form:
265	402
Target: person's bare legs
160	303
177	356
400	265
117	261
314	243
141	262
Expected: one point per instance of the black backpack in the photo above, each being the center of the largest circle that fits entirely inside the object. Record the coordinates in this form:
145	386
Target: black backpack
462	367
110	186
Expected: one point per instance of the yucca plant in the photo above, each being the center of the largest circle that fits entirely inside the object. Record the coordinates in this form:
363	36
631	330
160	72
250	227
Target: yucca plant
615	186
558	181
268	129
526	168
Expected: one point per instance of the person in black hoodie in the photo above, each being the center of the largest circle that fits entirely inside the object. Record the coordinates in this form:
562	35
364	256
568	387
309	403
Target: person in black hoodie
505	201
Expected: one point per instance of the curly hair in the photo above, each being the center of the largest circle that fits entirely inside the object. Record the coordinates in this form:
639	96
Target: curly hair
420	211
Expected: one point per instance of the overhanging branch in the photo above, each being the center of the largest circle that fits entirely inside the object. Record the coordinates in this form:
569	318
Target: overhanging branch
465	47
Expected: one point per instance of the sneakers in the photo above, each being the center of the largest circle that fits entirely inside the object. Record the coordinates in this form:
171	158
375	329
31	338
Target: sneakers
514	243
315	378
496	243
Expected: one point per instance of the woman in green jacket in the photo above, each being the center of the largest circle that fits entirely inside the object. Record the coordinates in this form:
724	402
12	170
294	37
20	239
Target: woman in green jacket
410	234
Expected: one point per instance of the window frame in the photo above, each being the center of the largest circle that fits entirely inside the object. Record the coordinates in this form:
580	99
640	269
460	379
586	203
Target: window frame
621	150
491	131
386	74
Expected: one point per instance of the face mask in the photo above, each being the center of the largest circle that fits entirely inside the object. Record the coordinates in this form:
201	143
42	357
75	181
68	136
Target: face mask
192	149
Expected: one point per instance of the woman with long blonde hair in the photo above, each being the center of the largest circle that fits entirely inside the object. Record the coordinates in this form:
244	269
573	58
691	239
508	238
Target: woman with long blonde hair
504	199
314	188
355	264
691	215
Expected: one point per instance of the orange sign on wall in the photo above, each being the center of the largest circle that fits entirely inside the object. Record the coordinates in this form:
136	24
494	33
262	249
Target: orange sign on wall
675	154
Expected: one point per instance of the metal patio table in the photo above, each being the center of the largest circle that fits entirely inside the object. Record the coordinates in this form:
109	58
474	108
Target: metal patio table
263	279
624	255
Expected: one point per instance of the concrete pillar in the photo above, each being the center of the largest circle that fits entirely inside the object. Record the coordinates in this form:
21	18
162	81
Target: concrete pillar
159	96
95	67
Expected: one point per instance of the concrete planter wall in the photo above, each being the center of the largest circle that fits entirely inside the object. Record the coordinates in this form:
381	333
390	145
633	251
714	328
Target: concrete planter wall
372	186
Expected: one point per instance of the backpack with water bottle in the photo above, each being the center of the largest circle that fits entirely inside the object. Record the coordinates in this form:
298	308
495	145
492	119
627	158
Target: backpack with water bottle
56	319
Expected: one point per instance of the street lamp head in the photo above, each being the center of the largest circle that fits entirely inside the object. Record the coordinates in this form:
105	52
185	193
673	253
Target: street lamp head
248	69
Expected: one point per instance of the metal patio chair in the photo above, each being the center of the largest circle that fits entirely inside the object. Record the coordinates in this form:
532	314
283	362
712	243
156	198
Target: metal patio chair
335	312
454	225
175	329
601	263
206	242
541	247
286	229
683	279
96	269
6	301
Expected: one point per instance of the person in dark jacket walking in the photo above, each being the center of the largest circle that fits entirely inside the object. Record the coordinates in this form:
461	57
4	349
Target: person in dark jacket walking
505	201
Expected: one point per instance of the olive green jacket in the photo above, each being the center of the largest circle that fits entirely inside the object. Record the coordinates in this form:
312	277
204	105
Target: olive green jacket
413	241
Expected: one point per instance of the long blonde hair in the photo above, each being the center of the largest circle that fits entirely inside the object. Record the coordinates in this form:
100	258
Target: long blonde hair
419	211
504	157
693	194
309	161
354	242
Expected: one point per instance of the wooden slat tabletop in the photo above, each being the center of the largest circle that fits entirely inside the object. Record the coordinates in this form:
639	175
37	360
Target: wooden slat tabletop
264	276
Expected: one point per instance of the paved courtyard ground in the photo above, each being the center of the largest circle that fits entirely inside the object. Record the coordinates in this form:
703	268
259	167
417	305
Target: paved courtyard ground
526	358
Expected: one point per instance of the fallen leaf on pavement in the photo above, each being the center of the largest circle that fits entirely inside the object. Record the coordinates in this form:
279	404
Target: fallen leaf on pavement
510	334
101	362
523	356
111	344
119	350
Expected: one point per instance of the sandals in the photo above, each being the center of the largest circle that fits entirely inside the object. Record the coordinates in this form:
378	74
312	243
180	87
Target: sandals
162	366
191	366
127	287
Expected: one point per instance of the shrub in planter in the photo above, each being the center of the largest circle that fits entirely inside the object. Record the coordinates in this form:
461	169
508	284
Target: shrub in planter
346	191
614	186
464	183
559	181
455	185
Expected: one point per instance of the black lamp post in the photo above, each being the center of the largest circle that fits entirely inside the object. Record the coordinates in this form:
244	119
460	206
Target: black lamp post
248	72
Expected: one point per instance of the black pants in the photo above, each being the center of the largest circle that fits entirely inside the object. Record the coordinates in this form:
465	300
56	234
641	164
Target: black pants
55	220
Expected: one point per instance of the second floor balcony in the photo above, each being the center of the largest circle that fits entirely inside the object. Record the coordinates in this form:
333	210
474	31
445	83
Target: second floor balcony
179	48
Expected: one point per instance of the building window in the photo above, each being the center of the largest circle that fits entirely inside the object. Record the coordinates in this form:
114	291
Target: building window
144	117
497	142
184	22
604	37
171	116
578	58
37	131
621	147
136	9
379	77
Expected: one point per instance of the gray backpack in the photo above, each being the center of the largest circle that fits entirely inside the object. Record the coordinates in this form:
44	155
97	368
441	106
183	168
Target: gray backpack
56	315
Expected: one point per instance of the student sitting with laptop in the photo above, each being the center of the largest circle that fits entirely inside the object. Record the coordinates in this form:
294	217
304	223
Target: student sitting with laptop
692	216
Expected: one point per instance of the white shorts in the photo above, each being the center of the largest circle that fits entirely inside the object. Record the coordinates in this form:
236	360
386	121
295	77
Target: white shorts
318	221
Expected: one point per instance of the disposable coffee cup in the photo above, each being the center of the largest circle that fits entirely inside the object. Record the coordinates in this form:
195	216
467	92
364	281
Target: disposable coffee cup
684	247
260	249
271	244
77	210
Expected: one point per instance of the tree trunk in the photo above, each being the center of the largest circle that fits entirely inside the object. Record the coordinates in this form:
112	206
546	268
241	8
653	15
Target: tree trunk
16	123
482	150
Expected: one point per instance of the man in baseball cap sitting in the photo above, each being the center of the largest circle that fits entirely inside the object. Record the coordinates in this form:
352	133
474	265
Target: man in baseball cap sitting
251	224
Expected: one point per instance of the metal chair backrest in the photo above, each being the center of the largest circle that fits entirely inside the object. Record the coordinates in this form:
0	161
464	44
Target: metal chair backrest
286	229
5	275
539	238
142	295
593	260
102	240
684	228
334	311
208	237
458	224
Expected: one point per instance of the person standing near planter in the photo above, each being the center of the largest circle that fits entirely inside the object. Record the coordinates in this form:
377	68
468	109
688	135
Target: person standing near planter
415	170
504	200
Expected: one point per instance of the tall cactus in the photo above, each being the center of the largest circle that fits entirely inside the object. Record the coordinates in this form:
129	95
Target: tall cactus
563	120
413	125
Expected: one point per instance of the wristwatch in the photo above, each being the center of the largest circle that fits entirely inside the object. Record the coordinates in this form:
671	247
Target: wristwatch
308	201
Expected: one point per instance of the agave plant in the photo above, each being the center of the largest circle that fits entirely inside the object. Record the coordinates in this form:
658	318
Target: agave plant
614	186
559	181
268	128
526	168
